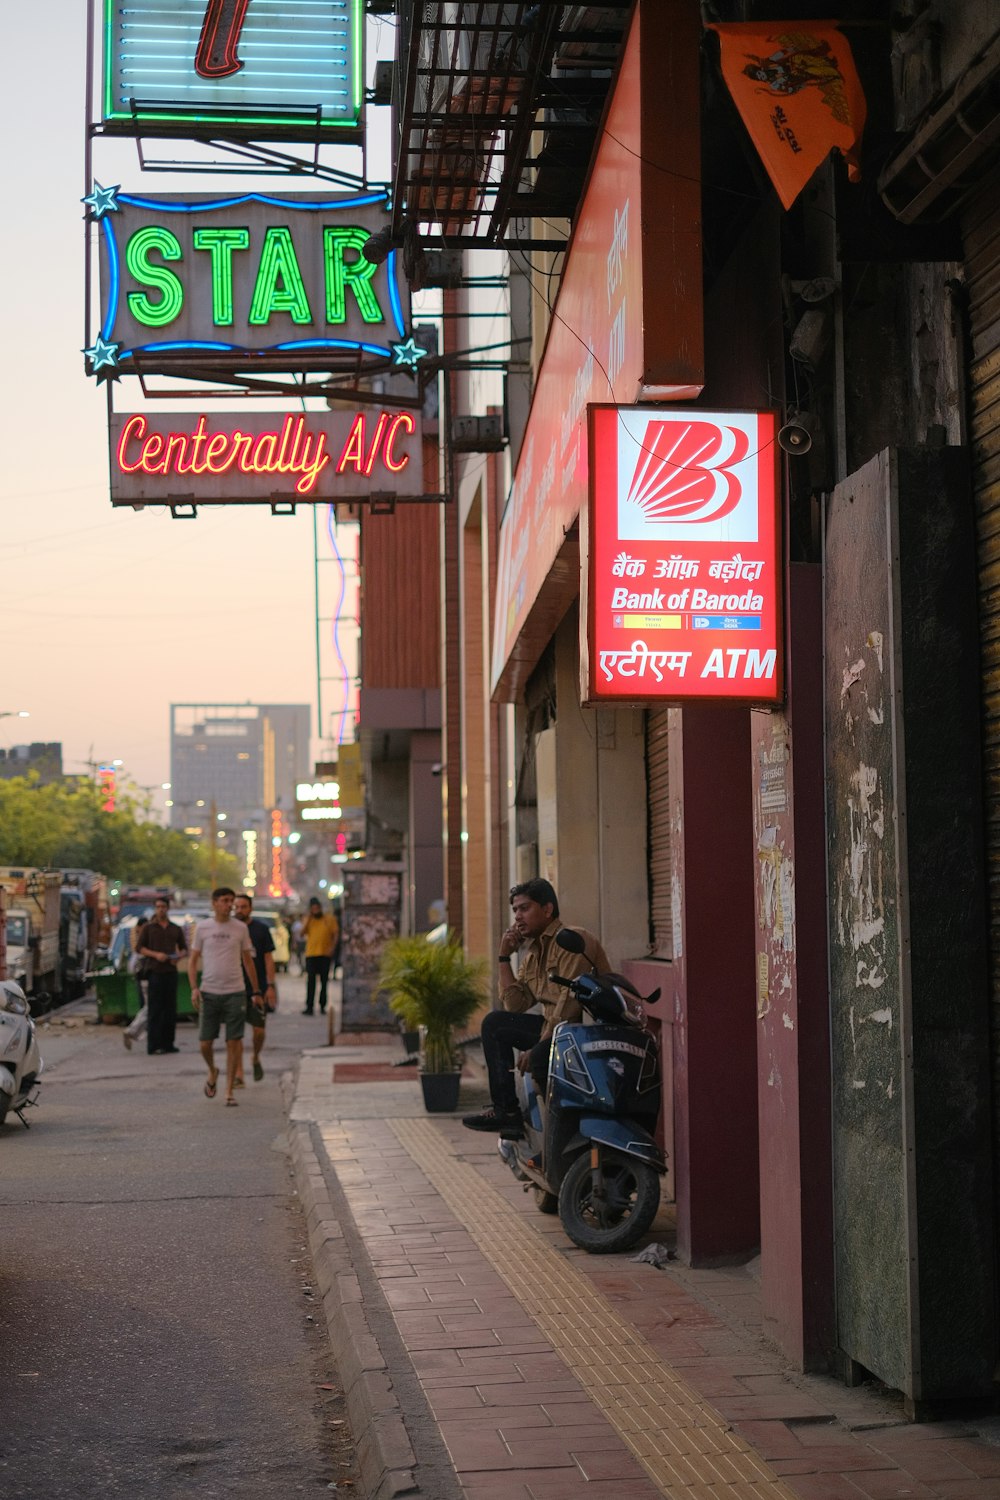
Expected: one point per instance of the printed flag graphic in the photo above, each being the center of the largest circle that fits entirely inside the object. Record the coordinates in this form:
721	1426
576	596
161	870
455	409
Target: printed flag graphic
799	95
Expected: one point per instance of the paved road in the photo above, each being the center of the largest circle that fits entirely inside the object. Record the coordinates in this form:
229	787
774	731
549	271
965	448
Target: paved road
156	1311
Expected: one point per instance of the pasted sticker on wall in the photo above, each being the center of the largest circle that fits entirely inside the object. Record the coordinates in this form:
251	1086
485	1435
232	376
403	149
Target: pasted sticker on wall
786	902
851	675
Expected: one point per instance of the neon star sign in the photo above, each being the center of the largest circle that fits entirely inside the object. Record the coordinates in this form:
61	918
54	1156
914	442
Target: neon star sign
238	67
243	281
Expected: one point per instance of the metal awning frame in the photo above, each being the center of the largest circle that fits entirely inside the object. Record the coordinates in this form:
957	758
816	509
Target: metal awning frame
458	169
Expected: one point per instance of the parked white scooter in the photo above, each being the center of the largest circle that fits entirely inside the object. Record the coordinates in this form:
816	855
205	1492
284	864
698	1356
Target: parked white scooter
20	1060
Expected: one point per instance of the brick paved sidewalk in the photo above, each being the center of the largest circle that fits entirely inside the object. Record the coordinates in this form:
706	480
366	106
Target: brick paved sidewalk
550	1373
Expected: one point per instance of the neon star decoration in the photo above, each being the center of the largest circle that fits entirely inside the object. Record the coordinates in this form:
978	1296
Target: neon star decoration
187	276
407	354
102	200
101	353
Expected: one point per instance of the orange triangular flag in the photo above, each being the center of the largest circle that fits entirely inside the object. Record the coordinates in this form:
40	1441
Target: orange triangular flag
797	89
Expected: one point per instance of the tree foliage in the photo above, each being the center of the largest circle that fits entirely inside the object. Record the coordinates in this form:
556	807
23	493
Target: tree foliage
63	825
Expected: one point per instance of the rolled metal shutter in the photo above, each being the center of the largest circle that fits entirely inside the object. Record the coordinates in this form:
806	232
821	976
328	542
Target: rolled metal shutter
981	233
661	936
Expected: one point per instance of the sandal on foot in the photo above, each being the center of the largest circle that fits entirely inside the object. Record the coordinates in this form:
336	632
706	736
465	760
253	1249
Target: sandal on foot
258	1072
231	1102
210	1085
238	1083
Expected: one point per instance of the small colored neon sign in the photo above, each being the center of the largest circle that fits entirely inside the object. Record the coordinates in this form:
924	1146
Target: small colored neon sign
247	279
276	885
107	786
214	458
294	66
684	577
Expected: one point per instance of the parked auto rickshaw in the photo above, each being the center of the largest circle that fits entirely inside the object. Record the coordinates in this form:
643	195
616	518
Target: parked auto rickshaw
119	997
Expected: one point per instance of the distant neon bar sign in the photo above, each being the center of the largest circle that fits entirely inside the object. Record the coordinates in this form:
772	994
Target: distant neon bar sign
684	576
216	459
240	66
244	281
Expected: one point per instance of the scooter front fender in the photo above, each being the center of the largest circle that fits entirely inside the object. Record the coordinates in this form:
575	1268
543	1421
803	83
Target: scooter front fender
624	1136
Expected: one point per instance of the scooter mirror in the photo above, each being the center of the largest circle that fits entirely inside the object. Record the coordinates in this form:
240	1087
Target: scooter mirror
570	940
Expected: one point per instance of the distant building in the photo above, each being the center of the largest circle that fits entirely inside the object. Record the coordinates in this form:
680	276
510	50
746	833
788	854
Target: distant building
42	758
246	758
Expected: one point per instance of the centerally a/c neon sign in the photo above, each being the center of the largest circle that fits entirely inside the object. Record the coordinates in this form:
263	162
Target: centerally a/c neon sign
247	280
222	459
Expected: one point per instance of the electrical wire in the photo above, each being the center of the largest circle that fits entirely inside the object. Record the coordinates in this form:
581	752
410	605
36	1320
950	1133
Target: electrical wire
681	468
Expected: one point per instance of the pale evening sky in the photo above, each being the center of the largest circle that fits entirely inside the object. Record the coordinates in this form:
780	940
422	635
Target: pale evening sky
107	616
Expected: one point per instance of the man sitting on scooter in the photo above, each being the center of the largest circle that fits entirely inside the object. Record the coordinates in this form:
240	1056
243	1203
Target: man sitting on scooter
532	936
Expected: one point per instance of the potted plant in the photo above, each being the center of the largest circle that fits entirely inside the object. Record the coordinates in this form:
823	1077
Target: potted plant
435	990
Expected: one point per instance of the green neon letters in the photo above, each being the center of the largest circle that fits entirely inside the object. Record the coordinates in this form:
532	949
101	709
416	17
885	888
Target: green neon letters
278	263
280	283
154	314
339	275
220	243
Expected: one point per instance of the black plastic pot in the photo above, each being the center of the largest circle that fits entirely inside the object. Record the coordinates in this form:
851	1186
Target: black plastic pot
411	1041
440	1091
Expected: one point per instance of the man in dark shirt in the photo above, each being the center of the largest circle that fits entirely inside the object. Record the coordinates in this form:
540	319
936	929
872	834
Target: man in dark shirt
160	945
263	953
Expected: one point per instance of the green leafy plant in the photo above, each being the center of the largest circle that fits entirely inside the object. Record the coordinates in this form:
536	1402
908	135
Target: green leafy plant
435	988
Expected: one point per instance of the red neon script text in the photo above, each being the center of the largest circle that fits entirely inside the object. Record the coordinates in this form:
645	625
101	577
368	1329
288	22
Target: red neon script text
291	449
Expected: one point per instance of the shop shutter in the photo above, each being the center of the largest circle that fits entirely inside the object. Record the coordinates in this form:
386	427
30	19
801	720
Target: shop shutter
981	232
658	833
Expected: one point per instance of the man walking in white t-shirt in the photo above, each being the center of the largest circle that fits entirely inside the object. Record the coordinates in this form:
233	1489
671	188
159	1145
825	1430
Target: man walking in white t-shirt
222	950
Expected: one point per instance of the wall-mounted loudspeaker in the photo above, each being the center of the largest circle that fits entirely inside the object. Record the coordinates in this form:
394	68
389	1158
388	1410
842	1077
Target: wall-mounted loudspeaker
797	434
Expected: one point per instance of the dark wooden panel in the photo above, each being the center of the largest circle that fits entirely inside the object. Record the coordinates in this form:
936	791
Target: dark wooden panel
400	598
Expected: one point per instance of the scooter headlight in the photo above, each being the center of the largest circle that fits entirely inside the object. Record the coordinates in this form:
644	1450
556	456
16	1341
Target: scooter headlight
13	998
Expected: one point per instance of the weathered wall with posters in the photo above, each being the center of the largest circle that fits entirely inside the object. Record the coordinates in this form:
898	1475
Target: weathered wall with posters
912	1186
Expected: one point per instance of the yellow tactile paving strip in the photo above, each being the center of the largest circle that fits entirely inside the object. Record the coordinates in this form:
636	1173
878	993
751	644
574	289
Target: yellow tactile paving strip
684	1445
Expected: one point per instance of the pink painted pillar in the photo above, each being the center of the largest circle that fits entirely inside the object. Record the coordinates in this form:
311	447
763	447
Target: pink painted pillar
714	1046
793	1029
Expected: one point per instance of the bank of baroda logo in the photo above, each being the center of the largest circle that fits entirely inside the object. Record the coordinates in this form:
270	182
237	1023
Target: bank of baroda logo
687	476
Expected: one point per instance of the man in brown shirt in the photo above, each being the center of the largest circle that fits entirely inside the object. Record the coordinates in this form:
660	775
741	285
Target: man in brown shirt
160	944
531	935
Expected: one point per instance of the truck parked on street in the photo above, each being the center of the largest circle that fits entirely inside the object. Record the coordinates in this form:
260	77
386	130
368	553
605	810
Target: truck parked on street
33	903
84	927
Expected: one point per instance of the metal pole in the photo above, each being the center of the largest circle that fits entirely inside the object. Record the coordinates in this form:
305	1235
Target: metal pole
319	679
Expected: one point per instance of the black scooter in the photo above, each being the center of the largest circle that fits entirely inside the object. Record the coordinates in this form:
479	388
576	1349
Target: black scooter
589	1153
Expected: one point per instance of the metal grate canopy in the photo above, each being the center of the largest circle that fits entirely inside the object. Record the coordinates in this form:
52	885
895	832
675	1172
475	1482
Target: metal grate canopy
498	107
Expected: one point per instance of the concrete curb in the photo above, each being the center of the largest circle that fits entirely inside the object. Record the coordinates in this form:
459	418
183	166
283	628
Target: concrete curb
385	1455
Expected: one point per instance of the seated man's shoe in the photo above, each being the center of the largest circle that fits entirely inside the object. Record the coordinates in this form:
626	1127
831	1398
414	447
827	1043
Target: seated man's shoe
501	1122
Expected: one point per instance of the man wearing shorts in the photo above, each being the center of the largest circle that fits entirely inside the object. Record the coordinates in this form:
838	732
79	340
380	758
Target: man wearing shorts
263	949
222	950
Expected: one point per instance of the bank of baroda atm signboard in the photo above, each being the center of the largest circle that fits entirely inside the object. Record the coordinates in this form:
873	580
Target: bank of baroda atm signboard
266	69
684	575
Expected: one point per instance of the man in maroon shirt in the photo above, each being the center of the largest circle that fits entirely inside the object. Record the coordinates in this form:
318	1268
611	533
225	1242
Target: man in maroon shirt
161	946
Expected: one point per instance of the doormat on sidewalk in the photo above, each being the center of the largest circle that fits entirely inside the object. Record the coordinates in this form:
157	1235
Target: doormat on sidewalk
374	1072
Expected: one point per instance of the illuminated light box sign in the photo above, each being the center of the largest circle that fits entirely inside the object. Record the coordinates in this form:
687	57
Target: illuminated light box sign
220	459
684	576
247	281
242	67
318	801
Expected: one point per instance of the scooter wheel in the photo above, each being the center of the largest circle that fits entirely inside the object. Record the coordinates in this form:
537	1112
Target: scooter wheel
546	1203
616	1222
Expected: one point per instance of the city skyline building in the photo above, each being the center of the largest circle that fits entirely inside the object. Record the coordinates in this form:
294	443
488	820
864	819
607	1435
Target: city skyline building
236	763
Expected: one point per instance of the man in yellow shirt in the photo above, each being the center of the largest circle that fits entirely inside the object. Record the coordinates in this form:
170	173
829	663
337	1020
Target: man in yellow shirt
320	930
